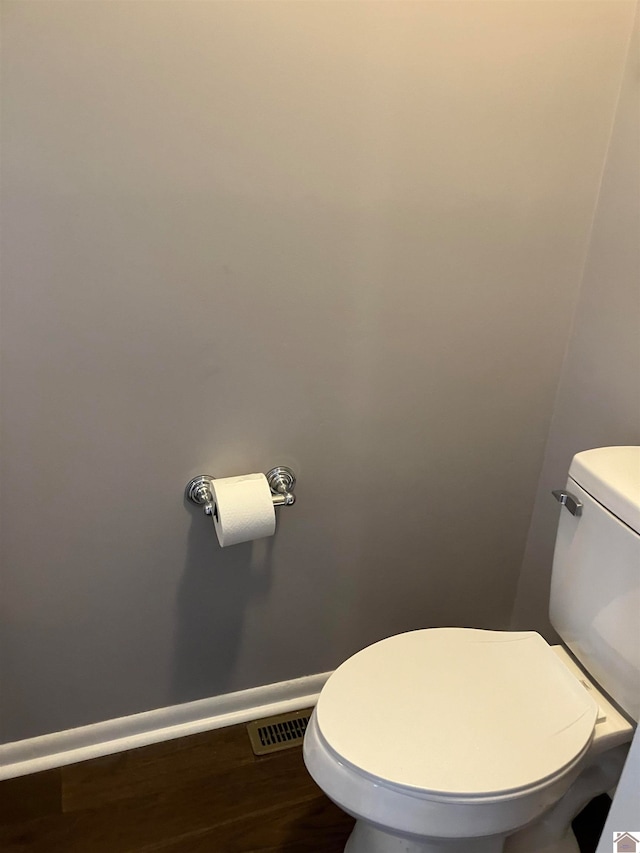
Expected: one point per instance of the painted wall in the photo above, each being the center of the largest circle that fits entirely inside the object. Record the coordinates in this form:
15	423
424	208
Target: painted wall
342	236
598	401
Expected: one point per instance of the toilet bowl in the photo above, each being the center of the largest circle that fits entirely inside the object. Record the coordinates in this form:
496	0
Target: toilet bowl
462	740
470	736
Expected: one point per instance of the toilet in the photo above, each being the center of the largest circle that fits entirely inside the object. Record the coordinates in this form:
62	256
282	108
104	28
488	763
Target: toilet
446	740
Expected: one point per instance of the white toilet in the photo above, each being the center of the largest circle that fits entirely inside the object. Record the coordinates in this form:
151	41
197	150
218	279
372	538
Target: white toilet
447	740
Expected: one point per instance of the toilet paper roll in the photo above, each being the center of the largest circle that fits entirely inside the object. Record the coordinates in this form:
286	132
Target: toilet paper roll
242	509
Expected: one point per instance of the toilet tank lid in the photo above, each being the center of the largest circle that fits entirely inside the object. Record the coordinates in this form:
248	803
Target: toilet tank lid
611	475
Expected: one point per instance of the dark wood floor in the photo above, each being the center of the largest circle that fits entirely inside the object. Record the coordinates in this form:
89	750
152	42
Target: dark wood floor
207	792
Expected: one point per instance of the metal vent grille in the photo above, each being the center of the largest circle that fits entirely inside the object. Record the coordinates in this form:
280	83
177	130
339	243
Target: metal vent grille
280	732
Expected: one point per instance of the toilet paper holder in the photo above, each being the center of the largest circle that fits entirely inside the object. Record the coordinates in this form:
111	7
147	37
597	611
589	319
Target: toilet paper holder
281	481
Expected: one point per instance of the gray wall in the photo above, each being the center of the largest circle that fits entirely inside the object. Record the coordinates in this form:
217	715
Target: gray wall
343	236
598	400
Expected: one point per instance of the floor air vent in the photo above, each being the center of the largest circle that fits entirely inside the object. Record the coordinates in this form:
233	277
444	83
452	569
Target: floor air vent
275	733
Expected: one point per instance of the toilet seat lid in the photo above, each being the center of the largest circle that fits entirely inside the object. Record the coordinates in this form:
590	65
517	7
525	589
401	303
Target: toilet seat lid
457	712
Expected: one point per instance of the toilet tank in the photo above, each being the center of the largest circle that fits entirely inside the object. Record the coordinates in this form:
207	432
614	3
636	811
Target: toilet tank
595	583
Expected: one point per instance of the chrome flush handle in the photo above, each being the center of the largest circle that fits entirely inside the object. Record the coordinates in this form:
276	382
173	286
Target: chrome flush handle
568	500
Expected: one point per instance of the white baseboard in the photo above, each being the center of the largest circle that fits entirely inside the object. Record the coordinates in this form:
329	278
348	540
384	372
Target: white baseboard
69	747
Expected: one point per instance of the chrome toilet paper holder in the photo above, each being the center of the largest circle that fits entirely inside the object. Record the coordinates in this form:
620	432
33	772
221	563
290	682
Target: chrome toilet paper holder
281	481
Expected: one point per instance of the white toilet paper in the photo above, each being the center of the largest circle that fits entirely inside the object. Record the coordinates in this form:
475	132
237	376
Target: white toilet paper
243	509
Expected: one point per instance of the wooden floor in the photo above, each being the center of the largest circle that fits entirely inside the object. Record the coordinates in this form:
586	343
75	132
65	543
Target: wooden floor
207	792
